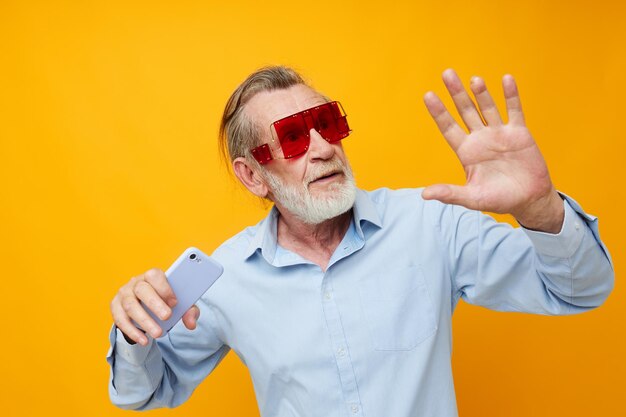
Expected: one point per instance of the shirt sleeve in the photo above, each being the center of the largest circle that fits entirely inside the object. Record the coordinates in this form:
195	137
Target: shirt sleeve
515	269
166	371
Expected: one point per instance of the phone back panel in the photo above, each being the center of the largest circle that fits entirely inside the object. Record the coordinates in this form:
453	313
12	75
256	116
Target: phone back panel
190	277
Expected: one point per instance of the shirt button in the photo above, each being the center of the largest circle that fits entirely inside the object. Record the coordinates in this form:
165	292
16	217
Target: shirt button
327	295
577	225
354	408
341	352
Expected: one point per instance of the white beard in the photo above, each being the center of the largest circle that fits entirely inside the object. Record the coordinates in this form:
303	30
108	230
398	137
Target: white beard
299	201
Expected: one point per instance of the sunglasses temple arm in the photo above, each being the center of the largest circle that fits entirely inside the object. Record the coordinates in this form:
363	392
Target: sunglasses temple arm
262	154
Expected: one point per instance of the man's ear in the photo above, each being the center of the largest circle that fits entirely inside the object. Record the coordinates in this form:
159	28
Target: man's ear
249	177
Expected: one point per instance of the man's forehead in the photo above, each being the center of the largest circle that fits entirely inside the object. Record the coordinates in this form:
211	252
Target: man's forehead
269	106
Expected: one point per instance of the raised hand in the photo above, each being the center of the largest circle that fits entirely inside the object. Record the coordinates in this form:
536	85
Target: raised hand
505	171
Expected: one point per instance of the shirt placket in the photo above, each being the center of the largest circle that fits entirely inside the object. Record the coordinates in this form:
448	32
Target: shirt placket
341	352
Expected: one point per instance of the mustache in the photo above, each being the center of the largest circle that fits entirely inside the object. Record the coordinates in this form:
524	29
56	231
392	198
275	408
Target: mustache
334	166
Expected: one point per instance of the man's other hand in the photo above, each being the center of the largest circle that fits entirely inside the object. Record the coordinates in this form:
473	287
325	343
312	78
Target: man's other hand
153	290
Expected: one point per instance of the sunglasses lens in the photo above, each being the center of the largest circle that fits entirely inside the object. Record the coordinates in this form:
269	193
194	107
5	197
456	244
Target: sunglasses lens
293	135
331	123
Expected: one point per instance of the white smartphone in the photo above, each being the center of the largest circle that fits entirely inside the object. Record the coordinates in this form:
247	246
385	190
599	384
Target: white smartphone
190	277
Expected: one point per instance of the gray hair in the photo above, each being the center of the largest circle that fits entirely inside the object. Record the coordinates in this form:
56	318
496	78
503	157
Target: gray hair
238	134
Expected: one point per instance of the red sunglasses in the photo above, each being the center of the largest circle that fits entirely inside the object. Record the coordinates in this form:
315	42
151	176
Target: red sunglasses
328	119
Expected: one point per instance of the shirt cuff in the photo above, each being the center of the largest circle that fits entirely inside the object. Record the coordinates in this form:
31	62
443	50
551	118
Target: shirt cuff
567	241
134	354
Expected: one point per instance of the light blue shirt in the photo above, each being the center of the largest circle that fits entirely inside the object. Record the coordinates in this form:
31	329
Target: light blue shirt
370	336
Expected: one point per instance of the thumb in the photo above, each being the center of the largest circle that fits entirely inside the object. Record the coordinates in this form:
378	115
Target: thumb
190	318
450	194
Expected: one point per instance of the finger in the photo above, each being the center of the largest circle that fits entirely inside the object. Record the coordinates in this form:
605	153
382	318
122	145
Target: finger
136	312
448	127
147	294
451	194
123	322
158	280
513	102
462	100
190	318
485	102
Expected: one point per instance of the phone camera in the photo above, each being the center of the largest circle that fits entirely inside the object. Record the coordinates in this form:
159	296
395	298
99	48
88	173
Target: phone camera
192	256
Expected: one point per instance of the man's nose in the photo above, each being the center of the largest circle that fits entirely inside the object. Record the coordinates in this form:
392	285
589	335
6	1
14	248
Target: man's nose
319	147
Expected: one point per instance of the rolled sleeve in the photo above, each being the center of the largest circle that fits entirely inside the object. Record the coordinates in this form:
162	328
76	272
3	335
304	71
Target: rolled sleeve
562	244
565	243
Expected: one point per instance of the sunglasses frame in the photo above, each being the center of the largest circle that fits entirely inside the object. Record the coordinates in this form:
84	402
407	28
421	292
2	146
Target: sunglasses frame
264	153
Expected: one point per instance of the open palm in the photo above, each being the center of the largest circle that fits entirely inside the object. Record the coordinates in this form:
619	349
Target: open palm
504	168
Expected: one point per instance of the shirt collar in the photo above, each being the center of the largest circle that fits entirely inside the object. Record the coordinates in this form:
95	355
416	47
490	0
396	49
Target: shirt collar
364	211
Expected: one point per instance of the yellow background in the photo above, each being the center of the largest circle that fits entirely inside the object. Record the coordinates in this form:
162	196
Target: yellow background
108	122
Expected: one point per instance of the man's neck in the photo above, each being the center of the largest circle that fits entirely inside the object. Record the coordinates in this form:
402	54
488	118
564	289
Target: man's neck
315	242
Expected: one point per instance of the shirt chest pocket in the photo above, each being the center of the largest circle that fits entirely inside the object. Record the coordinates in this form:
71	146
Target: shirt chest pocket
397	308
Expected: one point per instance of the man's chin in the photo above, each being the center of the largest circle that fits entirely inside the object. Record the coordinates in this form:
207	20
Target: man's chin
317	220
321	200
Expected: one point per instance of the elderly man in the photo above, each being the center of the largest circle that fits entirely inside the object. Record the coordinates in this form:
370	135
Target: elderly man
340	300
